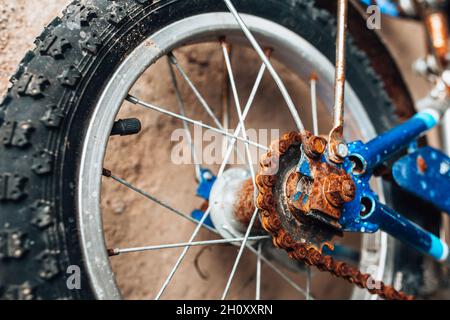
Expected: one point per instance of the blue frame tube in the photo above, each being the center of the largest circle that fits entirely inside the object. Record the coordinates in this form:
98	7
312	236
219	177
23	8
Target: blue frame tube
374	153
387	7
406	231
378	150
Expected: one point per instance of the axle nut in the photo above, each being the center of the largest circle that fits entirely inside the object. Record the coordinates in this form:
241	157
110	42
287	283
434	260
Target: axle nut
315	146
348	190
339	189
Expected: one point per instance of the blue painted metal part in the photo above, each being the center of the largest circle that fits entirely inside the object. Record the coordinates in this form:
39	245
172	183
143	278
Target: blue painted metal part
351	220
207	179
407	231
387	7
373	154
198	215
432	182
378	150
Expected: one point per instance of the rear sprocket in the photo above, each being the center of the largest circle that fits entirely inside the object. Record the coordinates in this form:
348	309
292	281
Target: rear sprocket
298	232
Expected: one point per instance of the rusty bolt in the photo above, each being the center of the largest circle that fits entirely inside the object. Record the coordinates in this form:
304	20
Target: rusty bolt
318	145
339	189
315	146
348	189
342	150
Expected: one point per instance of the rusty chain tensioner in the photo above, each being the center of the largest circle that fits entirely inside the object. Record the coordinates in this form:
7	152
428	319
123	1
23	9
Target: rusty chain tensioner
330	187
300	198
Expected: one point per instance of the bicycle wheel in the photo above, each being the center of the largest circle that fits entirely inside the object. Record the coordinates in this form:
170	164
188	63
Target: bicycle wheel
56	130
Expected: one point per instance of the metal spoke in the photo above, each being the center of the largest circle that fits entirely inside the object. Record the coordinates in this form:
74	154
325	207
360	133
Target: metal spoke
248	106
185	124
239	256
157	201
280	273
258	272
250	163
183	254
197	93
200	224
313	82
238	109
308	283
226	96
176	211
269	66
264	259
136	101
206	214
200	98
254	90
274	268
118	251
226	104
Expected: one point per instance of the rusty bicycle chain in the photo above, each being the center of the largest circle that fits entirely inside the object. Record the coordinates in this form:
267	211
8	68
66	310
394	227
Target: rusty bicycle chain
304	252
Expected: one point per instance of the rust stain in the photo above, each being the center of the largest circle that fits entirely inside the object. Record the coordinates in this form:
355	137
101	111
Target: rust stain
245	206
150	44
421	164
436	23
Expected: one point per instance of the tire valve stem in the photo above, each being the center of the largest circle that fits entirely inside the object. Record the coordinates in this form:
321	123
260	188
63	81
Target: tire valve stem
126	127
107	173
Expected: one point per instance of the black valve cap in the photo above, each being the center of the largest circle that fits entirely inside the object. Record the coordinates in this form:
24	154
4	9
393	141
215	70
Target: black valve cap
126	127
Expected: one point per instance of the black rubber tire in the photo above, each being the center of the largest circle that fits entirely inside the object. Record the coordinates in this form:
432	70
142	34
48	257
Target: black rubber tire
43	122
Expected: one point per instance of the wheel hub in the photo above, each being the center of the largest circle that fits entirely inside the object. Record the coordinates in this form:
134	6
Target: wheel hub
232	202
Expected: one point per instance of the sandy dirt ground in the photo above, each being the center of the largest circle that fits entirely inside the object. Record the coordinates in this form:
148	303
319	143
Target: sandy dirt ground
129	219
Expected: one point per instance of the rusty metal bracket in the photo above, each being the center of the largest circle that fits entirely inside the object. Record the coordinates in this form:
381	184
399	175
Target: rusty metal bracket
337	147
